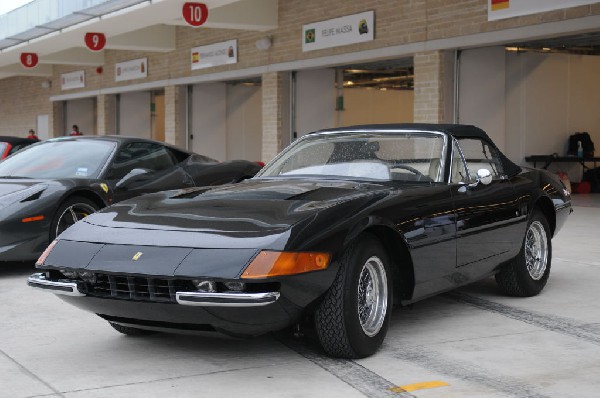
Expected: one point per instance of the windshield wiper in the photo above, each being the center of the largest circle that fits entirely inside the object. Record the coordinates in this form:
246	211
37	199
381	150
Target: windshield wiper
16	177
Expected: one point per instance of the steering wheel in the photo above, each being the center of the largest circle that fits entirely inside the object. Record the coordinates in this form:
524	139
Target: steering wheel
420	176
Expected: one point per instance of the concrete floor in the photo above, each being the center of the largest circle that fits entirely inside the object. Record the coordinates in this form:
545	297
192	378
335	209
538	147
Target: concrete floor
476	341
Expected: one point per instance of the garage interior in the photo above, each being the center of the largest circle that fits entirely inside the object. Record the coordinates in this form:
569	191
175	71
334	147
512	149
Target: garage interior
531	96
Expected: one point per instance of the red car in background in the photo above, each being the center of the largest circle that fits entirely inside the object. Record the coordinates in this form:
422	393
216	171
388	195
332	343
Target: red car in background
10	145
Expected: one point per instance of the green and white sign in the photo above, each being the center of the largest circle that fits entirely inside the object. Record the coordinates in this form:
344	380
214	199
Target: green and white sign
351	29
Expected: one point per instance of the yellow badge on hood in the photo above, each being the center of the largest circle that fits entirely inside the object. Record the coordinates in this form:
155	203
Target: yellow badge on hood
137	256
104	187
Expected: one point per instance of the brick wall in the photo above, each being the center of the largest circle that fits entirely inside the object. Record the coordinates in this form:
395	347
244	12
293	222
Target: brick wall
272	88
398	23
22	99
105	114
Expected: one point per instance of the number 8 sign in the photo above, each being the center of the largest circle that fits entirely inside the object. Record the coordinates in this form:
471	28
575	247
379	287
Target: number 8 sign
195	14
95	41
29	60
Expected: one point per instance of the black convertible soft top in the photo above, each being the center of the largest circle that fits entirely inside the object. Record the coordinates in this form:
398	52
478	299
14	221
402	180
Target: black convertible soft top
17	140
455	130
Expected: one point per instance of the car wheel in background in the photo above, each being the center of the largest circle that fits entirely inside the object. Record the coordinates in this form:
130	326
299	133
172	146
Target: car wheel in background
527	274
352	320
69	212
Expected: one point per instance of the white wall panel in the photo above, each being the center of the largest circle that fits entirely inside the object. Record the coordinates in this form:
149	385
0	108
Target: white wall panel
135	114
244	122
209	120
315	100
584	97
482	81
81	112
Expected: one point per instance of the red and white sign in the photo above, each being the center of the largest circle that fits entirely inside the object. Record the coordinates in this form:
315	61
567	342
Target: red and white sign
129	70
95	41
500	9
195	14
29	60
72	80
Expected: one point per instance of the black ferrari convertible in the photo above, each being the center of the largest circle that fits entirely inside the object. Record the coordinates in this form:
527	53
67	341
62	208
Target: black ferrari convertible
338	228
49	186
10	145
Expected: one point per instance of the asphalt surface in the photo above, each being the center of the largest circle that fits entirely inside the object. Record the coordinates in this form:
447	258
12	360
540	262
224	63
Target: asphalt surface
473	342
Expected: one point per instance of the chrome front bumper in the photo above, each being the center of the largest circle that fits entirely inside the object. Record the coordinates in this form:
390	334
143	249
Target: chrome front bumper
202	299
197	299
65	288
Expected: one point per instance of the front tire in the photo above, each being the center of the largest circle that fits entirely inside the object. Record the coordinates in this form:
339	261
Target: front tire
69	212
353	318
528	273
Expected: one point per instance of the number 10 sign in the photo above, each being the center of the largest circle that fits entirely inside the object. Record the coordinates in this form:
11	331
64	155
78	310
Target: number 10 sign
195	14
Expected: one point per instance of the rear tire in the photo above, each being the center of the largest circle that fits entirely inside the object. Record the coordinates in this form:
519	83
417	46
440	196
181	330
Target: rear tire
527	274
129	331
353	318
70	211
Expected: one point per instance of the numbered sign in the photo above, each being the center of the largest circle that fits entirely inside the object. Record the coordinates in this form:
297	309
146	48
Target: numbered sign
95	41
195	14
29	60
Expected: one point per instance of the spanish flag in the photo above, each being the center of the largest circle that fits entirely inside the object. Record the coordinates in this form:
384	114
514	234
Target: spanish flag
500	4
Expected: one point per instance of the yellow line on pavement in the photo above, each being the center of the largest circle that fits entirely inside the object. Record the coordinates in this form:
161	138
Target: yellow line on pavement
419	386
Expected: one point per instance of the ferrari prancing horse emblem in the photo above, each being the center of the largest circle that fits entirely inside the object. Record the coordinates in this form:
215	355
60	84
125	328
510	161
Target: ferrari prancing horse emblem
137	256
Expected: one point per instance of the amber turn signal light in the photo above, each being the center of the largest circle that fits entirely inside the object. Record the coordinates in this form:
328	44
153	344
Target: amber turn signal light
45	254
32	219
270	263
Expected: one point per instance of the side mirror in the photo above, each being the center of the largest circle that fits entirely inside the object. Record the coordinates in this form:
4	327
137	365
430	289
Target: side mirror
484	176
129	176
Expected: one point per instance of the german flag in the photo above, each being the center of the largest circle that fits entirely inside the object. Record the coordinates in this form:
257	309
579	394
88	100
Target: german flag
500	4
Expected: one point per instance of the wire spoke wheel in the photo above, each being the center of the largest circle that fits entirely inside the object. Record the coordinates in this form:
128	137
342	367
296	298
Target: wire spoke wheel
72	214
536	250
372	296
527	273
353	318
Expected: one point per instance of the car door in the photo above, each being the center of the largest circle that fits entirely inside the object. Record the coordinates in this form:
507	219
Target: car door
422	209
487	214
143	167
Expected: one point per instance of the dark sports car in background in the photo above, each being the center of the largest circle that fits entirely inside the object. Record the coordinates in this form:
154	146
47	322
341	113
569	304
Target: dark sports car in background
49	186
10	145
339	227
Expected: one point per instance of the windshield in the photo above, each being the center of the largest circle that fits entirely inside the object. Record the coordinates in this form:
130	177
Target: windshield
59	159
389	156
3	146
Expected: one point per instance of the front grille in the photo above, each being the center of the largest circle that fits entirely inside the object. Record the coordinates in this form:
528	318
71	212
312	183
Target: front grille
137	288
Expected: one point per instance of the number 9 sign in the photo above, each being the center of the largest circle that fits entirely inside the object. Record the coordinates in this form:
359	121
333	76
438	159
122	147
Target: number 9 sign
29	60
95	41
195	14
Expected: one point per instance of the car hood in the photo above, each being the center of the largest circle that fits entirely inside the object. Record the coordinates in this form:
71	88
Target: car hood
248	207
12	185
254	213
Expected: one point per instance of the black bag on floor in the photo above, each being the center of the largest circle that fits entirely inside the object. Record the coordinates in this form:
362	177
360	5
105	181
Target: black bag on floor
586	143
593	177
